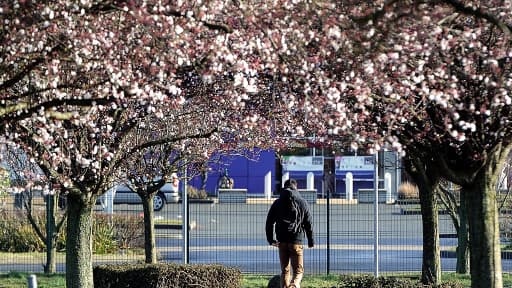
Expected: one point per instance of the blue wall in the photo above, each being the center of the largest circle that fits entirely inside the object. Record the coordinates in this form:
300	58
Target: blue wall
246	173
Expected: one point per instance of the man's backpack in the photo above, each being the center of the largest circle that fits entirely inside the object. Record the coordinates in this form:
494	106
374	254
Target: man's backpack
292	217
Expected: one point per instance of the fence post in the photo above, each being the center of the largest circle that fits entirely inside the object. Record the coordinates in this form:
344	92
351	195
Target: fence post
185	221
376	216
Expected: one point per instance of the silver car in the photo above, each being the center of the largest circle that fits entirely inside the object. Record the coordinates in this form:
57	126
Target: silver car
124	195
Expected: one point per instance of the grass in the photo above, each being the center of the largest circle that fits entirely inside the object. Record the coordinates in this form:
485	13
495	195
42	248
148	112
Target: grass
316	281
19	280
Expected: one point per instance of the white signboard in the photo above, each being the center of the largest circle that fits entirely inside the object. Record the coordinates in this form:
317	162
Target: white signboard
354	163
303	163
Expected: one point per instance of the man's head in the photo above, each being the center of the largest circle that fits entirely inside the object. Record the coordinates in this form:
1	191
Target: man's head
290	183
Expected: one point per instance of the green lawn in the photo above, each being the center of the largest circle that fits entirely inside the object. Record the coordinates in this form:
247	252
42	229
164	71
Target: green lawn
19	280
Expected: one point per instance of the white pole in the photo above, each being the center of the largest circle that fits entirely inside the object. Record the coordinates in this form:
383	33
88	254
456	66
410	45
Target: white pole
268	185
387	186
349	186
109	198
376	216
310	180
285	177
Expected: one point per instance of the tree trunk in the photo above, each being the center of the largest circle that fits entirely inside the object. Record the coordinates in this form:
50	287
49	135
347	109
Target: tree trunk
51	259
463	237
431	265
79	244
484	235
426	176
149	229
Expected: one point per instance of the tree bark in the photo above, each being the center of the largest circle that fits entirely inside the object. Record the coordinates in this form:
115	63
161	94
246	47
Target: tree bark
484	235
426	177
431	265
149	229
79	243
462	266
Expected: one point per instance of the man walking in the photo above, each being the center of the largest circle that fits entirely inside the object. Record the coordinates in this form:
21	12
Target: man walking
290	216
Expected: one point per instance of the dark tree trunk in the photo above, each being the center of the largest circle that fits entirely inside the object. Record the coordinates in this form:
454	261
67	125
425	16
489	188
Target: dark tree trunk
427	178
431	265
463	237
149	230
79	244
484	235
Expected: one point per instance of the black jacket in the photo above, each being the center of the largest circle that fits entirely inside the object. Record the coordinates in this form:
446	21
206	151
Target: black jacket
278	210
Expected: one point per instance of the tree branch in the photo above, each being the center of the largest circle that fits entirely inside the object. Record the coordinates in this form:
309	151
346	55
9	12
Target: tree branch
478	13
24	110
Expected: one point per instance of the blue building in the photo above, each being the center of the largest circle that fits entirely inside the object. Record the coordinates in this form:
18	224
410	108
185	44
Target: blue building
329	173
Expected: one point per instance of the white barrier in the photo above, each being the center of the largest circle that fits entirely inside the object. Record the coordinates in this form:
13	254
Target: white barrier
232	195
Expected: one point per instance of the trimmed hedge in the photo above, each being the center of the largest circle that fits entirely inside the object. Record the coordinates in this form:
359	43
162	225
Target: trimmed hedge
166	275
368	281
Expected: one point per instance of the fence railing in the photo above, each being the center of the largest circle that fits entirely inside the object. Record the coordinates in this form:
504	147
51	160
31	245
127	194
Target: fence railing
233	234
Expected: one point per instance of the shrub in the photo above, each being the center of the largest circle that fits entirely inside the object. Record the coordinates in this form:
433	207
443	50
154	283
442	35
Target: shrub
194	193
408	190
110	233
114	232
368	281
103	241
17	235
129	231
166	275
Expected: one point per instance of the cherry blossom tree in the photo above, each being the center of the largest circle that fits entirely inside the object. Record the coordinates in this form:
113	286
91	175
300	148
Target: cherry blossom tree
147	169
394	72
82	75
437	75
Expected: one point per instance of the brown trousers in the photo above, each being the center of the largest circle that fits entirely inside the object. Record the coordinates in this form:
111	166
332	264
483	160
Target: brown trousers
294	254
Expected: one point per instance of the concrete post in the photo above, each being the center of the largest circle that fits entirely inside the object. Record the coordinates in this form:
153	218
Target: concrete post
387	186
310	181
268	185
349	186
109	199
285	177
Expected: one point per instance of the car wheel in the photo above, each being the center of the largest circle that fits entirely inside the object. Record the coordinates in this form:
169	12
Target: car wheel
158	202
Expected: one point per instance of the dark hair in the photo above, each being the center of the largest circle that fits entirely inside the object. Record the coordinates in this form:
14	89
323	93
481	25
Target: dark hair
290	183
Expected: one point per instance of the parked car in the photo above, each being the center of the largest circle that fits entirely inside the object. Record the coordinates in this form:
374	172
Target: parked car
167	194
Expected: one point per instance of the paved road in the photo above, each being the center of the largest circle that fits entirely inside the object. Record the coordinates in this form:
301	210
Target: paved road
233	234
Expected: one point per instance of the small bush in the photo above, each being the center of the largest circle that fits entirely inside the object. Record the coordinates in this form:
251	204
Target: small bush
408	190
129	231
17	235
103	241
166	275
110	233
368	281
194	193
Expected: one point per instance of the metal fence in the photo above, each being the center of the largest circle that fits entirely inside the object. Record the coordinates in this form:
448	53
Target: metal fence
233	234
